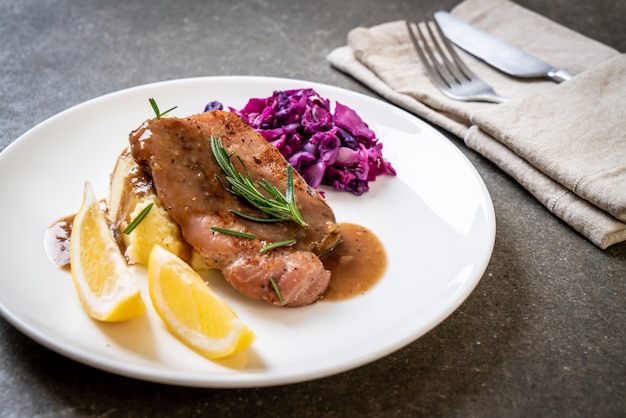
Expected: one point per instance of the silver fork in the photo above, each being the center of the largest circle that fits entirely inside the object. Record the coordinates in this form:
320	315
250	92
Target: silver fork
448	71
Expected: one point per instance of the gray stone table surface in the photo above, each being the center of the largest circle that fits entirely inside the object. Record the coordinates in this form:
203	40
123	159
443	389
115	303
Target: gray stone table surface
542	334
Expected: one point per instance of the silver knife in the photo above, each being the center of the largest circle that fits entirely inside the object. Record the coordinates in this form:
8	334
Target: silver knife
496	52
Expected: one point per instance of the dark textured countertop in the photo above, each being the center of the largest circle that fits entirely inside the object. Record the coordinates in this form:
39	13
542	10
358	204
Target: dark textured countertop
541	335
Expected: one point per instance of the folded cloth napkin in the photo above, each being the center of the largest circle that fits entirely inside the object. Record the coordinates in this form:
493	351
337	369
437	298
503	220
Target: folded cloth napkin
565	143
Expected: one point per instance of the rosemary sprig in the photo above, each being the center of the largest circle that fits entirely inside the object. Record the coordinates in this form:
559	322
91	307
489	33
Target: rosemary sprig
232	232
279	206
133	224
277	290
277	244
157	112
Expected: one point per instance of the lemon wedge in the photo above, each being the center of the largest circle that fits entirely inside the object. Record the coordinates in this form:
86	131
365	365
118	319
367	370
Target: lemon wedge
191	311
102	278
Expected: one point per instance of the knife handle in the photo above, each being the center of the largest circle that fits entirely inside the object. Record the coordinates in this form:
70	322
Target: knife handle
559	75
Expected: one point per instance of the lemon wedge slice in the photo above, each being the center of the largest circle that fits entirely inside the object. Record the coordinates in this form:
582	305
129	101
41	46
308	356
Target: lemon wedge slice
191	311
102	278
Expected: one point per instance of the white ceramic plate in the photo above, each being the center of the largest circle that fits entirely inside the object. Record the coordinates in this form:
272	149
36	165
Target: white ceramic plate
435	220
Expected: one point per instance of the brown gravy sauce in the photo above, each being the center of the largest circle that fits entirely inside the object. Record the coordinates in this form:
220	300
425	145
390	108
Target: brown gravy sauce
356	264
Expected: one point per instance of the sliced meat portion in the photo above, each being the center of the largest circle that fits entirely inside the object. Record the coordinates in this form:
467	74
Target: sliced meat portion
177	154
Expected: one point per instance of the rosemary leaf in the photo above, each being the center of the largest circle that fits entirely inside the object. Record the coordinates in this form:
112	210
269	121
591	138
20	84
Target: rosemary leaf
278	244
133	224
277	290
157	112
231	232
254	218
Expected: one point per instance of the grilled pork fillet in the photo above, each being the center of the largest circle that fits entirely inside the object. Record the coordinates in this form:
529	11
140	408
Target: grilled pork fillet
177	155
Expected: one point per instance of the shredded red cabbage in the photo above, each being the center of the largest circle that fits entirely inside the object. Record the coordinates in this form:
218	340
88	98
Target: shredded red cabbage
334	149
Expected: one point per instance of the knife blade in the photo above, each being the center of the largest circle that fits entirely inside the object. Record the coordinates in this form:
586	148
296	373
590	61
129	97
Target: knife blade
496	52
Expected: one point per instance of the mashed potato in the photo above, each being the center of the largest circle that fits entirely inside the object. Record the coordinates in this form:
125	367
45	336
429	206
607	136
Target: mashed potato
130	192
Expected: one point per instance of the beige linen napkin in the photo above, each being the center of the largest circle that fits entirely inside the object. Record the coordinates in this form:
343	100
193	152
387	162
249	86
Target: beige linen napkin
565	143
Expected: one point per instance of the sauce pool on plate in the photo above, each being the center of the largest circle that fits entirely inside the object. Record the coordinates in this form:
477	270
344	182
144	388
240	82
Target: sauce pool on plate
356	264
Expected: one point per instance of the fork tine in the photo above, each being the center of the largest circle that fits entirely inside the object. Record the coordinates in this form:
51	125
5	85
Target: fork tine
420	53
444	75
443	70
455	57
454	70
